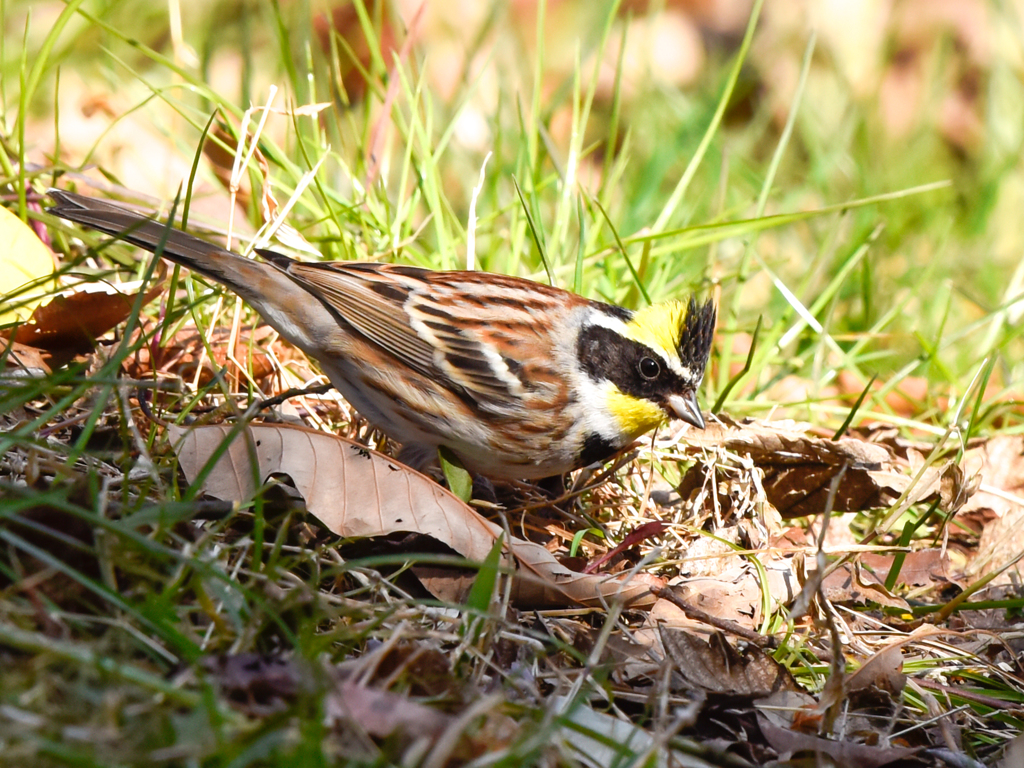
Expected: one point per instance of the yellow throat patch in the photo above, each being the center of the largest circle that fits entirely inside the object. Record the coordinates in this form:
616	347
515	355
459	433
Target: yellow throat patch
633	415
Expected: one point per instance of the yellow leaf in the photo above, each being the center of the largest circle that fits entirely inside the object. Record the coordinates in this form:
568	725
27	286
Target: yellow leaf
23	259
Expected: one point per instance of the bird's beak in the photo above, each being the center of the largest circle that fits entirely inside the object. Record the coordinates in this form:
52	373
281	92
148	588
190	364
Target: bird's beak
687	408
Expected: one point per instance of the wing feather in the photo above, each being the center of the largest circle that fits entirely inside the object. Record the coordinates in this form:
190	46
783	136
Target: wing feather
392	309
381	319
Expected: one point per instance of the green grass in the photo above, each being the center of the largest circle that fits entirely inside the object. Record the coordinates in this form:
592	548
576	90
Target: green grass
852	252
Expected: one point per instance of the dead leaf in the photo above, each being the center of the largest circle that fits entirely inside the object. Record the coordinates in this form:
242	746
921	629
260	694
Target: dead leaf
421	669
921	568
646	531
24	358
357	492
543	581
717	667
999	464
257	684
875	686
883	671
946	482
850	583
783	707
799	467
71	322
737	593
446	584
382	713
711	556
352	490
788	742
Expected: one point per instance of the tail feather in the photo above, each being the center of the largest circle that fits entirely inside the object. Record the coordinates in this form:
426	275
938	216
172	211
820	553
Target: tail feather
297	314
148	233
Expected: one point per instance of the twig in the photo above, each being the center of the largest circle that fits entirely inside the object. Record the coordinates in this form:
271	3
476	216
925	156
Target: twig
756	638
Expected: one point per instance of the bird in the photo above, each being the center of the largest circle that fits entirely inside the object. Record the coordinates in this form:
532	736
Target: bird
520	380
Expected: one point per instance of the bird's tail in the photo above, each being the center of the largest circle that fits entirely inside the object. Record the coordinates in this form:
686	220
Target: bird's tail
240	274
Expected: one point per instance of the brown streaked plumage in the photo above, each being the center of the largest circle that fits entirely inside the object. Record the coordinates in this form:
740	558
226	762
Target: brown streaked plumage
519	379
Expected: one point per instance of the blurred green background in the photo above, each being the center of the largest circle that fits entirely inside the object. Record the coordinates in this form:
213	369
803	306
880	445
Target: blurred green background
580	102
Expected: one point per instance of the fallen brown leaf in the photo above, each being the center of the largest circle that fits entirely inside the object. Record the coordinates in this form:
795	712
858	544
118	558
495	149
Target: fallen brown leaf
70	323
921	568
884	671
76	318
383	713
24	358
999	503
799	467
850	583
257	684
717	667
787	742
737	593
357	492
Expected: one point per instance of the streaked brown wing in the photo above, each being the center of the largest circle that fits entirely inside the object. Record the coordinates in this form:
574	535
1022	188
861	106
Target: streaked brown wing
416	322
468	354
377	314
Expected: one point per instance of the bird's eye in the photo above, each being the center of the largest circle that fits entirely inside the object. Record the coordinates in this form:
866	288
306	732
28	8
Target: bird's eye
649	368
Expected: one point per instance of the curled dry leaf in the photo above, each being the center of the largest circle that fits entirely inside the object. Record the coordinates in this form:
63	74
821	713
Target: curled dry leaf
737	593
24	358
786	741
850	583
357	492
999	464
877	683
883	671
717	667
383	713
258	684
70	323
798	468
543	581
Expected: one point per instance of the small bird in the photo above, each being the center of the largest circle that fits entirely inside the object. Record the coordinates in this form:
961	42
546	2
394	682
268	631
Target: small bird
520	380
